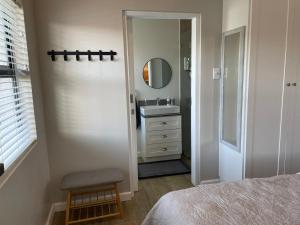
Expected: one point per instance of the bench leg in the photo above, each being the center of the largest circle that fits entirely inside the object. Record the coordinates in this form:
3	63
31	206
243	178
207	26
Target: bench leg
68	208
118	200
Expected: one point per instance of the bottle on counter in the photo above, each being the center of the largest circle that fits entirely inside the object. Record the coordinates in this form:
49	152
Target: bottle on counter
169	102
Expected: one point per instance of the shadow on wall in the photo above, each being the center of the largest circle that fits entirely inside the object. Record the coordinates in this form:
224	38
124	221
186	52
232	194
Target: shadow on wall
85	128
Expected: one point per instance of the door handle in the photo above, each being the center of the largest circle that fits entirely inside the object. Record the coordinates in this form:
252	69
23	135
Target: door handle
294	84
288	84
164	149
163	123
164	136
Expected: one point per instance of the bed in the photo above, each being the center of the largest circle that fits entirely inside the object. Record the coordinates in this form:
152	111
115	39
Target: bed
271	201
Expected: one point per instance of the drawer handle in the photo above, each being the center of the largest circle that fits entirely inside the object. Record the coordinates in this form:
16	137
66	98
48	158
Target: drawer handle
163	123
164	149
164	136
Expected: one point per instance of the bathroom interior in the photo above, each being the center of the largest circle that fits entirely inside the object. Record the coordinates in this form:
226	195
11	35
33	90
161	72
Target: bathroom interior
162	84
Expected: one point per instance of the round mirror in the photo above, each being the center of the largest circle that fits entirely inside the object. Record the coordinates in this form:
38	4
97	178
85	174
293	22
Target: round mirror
157	73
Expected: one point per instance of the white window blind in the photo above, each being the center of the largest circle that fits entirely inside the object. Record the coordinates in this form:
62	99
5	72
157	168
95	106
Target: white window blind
17	122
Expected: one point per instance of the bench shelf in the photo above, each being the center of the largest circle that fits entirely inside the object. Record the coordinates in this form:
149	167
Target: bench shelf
95	204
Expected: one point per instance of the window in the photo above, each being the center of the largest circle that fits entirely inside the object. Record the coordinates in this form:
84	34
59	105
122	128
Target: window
17	122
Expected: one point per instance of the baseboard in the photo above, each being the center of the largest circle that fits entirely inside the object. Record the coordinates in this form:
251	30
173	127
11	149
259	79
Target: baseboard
61	206
50	215
212	181
126	196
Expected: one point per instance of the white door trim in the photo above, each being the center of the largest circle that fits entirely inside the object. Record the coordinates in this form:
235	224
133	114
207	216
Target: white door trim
195	89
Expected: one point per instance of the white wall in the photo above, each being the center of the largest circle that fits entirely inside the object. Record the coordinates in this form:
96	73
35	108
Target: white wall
86	112
156	39
25	195
235	14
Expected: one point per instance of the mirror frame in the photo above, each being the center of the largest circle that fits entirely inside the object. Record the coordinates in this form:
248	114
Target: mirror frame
170	69
241	31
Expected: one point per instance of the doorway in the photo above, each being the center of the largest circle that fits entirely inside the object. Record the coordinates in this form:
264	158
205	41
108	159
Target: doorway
195	57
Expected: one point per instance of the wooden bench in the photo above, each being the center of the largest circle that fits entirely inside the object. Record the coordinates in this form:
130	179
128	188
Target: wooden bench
92	195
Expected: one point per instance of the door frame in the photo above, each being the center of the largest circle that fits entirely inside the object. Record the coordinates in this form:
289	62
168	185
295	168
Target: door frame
195	89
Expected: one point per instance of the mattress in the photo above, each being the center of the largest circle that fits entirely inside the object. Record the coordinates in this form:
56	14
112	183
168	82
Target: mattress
269	201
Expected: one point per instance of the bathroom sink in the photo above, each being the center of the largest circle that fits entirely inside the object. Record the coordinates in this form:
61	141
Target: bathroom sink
152	110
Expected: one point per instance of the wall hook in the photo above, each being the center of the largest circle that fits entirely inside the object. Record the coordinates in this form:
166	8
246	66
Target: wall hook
65	55
89	55
112	55
100	55
77	55
52	53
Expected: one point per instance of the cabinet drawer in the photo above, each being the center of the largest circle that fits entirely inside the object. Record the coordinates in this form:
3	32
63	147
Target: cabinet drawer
163	136
155	150
163	123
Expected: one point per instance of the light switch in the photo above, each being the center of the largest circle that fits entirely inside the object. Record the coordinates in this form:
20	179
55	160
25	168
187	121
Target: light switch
216	73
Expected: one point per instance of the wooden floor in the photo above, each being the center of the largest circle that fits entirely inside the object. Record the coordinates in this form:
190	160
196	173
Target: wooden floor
150	190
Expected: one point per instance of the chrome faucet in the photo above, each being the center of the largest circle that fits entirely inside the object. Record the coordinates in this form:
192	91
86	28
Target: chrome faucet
157	101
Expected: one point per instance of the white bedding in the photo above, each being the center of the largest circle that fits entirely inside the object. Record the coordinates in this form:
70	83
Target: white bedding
270	201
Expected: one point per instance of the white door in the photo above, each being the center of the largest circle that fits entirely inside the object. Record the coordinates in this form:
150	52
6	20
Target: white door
293	160
230	152
289	162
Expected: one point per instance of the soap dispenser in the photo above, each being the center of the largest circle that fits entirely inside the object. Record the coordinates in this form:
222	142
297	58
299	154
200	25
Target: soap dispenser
168	100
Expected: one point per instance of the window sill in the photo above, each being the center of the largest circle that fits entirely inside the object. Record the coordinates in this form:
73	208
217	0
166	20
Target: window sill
13	167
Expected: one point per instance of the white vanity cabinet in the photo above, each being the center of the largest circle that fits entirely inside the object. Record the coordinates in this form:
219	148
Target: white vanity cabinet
161	138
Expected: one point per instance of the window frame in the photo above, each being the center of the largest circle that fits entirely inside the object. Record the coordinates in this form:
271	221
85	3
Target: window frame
12	71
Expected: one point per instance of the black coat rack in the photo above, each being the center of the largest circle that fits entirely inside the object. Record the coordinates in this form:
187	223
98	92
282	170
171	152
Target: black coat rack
77	53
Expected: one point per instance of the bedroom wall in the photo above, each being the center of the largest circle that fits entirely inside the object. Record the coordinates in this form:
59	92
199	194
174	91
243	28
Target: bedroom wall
24	191
86	113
